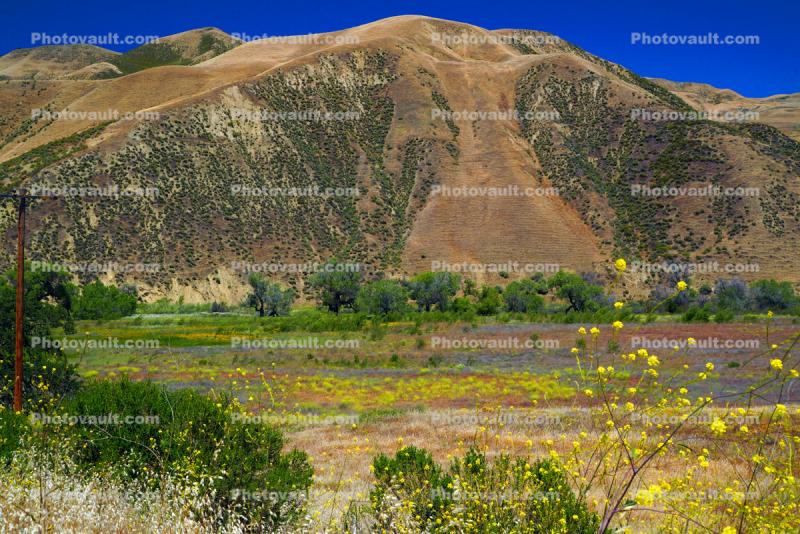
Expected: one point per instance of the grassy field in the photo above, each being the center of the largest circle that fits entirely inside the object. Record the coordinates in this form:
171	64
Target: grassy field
347	390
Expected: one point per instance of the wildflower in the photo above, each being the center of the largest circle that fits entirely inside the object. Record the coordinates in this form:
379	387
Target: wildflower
702	461
718	426
588	392
595	331
691	341
776	364
710	366
681	285
743	429
652	361
629	406
617	325
621	265
582	331
574	350
769	314
618	305
780	410
729	530
642	353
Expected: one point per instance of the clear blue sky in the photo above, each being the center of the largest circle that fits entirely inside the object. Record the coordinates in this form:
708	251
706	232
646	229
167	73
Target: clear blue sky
603	28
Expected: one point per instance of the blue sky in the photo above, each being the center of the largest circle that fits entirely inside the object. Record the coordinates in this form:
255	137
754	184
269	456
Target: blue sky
603	28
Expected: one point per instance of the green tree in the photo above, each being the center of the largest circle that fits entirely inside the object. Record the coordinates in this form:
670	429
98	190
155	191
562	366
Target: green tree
773	295
339	286
581	295
98	301
434	289
381	297
523	296
269	299
46	372
490	301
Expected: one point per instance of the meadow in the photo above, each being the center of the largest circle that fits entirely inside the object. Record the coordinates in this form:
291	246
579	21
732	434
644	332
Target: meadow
347	390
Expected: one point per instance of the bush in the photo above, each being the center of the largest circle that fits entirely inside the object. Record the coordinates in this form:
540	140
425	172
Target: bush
269	299
46	372
695	314
772	295
510	495
382	297
434	289
97	301
581	295
339	287
191	435
489	302
523	296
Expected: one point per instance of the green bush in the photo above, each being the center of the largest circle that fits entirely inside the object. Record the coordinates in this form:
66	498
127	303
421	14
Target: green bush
489	302
97	301
185	433
511	494
523	296
382	297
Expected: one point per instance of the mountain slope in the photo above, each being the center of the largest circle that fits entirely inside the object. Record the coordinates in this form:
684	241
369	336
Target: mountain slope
47	62
393	75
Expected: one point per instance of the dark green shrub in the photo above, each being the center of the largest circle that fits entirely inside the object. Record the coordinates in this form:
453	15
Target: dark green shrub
97	301
489	302
523	296
188	434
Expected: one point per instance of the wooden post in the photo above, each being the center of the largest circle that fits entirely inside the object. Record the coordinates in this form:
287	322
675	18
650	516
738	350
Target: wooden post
20	303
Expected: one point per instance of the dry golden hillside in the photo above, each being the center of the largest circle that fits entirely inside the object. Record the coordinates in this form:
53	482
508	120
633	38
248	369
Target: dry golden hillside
566	131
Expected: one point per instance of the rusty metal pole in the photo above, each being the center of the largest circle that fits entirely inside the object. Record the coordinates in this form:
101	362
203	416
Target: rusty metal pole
20	303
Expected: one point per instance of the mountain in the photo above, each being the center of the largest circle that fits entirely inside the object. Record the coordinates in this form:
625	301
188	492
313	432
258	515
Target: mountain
568	125
781	111
47	62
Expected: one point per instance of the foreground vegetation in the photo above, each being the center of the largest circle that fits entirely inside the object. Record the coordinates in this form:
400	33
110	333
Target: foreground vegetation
394	433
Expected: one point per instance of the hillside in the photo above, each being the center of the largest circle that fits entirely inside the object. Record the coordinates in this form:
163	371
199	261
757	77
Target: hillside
393	74
48	62
780	111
